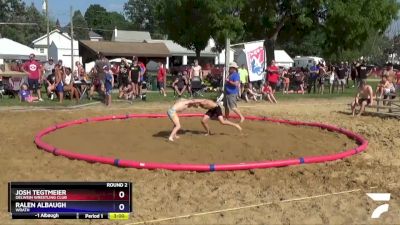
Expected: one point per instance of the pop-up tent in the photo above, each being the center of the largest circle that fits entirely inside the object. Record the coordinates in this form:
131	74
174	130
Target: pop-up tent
12	50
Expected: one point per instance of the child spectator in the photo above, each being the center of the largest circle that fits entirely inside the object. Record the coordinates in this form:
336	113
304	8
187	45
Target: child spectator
25	94
269	94
383	87
249	92
109	83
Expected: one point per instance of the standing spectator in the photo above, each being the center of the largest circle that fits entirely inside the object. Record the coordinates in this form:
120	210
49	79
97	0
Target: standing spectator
353	73
123	79
273	75
286	81
244	78
135	74
34	70
363	72
109	84
161	77
321	78
196	71
348	71
59	82
341	72
299	81
332	76
48	67
231	91
79	72
143	71
312	79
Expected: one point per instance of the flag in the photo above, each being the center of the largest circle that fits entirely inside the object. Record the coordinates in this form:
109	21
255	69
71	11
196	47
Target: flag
255	55
44	5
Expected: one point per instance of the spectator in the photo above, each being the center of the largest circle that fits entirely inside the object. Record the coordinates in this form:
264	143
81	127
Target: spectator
59	82
353	73
269	94
244	78
362	71
383	87
180	85
332	76
48	67
98	74
79	72
299	81
196	71
135	75
68	85
109	84
34	70
25	94
341	73
51	79
286	81
273	75
231	91
124	84
161	77
321	78
312	79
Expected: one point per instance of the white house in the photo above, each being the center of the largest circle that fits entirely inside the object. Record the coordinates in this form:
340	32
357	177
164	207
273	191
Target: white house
62	51
60	46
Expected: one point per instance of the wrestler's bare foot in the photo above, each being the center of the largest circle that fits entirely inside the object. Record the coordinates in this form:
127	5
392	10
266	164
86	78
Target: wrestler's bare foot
241	119
170	139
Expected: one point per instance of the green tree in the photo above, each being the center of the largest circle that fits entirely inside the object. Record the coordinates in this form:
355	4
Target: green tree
81	30
227	22
104	22
143	15
15	11
267	19
349	24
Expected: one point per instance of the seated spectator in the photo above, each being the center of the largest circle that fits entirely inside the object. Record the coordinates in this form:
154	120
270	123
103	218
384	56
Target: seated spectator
69	85
383	87
250	93
364	97
25	94
180	84
51	87
268	92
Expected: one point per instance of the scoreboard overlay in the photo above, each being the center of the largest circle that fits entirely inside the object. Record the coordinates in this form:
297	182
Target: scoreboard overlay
70	200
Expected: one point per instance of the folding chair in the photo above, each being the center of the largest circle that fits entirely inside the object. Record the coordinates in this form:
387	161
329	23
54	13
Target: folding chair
197	87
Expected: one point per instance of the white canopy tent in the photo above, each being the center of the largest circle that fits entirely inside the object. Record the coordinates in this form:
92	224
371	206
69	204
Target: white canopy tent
11	50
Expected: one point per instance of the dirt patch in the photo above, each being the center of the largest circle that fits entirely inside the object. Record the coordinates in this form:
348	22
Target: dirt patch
145	140
160	194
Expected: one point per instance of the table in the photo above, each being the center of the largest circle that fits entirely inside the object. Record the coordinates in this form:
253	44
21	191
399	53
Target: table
79	84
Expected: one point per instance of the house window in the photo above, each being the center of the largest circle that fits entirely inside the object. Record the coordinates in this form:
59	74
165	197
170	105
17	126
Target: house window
42	50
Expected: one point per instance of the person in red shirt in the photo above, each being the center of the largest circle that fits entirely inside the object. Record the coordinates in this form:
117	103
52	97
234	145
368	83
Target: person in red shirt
273	75
161	77
34	70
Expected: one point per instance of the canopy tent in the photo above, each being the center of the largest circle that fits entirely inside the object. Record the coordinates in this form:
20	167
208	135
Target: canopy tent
12	50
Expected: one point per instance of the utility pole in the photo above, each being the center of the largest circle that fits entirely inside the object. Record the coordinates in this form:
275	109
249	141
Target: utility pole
72	42
227	59
48	27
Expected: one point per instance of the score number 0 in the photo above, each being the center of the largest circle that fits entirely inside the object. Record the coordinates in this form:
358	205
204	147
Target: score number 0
121	195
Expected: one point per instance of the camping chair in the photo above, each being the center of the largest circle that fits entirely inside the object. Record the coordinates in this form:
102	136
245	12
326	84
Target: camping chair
197	87
13	86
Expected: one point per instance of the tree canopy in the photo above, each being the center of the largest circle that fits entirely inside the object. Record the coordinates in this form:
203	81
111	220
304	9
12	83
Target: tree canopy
143	15
15	11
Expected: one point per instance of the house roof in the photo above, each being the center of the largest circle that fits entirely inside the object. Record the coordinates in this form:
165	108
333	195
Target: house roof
178	50
130	36
14	50
124	49
93	34
51	32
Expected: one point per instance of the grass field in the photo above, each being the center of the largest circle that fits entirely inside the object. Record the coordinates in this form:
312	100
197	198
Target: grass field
156	97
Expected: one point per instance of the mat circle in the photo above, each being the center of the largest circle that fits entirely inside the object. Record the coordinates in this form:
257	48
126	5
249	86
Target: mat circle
362	144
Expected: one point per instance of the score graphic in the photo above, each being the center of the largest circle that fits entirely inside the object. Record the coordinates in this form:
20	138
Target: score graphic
70	200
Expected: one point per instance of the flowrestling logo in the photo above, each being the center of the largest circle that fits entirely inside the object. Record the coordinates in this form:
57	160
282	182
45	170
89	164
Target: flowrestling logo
381	197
